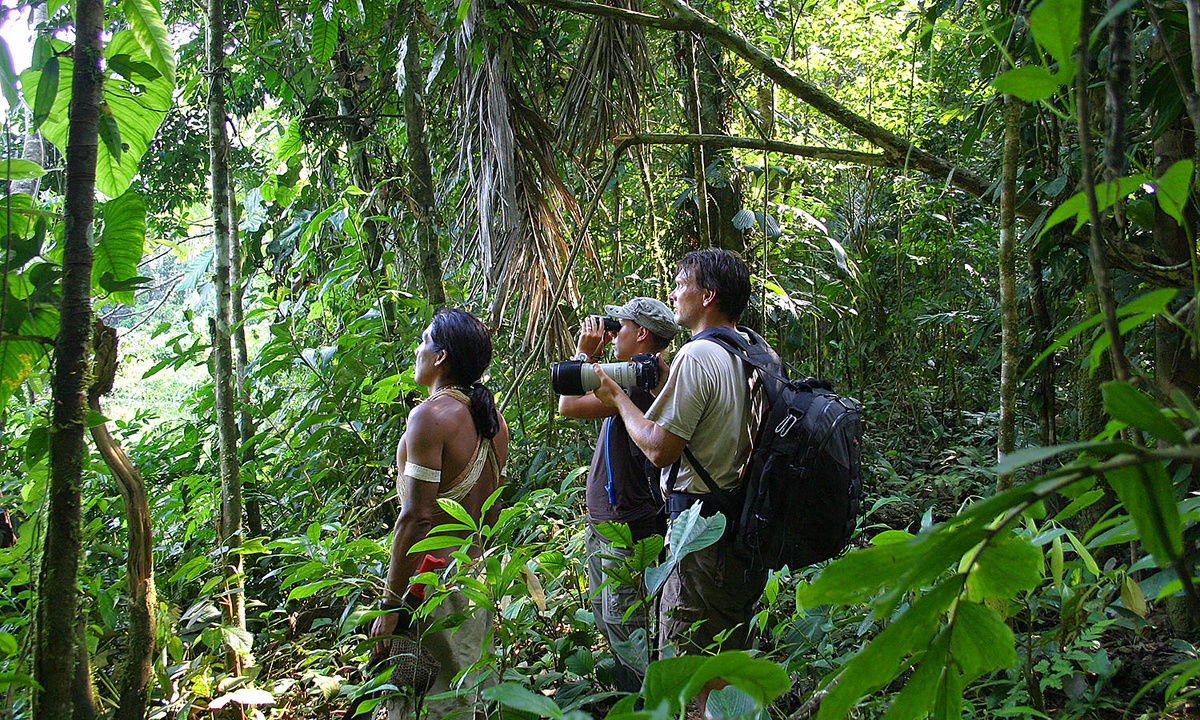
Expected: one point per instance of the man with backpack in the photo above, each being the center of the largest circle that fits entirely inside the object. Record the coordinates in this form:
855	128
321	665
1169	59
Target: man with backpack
702	419
619	488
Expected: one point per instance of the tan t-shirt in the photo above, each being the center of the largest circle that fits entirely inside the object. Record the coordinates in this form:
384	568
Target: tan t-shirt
706	401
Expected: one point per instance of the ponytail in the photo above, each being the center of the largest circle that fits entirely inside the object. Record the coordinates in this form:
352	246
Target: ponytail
483	410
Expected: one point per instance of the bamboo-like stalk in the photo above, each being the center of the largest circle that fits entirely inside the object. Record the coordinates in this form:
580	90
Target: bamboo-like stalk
1009	323
221	329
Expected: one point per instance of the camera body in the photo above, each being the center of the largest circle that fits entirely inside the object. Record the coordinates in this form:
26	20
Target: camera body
576	377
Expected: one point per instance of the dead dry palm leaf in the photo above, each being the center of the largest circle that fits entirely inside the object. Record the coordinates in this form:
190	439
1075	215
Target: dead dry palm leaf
514	207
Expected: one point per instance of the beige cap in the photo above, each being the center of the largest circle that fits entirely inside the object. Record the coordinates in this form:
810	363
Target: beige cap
654	315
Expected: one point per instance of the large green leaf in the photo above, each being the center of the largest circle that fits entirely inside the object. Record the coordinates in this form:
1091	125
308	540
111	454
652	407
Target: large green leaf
1126	403
1149	498
1005	566
981	641
137	108
18	169
517	696
1106	194
915	699
1030	83
146	22
12	210
858	575
119	247
884	658
8	77
18	358
324	31
47	91
689	532
1055	25
666	678
759	678
1171	188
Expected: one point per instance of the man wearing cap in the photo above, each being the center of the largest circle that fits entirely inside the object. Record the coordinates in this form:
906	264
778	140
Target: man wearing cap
620	486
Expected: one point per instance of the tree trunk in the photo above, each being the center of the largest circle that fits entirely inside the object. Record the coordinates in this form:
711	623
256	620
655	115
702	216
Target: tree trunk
222	367
58	600
1043	328
718	194
1096	243
429	254
1009	328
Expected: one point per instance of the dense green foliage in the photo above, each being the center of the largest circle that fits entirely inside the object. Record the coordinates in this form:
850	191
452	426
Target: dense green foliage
1066	592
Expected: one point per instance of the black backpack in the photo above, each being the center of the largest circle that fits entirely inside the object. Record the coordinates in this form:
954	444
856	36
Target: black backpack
801	491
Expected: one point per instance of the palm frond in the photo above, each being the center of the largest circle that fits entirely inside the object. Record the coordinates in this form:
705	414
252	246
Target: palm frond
514	208
603	94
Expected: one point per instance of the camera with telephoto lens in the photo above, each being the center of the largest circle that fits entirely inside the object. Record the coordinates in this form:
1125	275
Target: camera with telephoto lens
576	377
610	324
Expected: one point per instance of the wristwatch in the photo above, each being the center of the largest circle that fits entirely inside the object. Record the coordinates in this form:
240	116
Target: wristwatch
584	357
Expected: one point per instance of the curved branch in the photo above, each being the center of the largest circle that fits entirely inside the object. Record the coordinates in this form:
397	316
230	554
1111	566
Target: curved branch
139	563
721	142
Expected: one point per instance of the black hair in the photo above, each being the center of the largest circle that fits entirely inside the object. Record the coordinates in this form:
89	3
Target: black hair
468	346
722	272
658	343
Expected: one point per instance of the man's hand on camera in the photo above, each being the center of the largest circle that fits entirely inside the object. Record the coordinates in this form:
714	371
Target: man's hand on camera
608	390
663	371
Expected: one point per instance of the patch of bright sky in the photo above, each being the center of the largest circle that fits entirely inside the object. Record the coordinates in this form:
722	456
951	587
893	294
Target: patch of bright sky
17	35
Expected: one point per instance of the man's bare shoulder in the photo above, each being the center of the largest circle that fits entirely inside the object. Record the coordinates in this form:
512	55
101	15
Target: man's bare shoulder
440	416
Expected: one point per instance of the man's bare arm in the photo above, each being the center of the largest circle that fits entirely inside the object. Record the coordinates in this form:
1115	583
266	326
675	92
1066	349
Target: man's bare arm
584	407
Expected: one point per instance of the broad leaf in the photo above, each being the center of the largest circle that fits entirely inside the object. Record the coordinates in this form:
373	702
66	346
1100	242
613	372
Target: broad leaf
146	22
1148	496
119	247
8	78
1106	194
1005	566
137	108
1172	188
858	575
517	696
666	679
47	91
981	641
324	32
759	678
18	169
110	133
884	657
290	143
1125	403
1031	83
916	698
1055	26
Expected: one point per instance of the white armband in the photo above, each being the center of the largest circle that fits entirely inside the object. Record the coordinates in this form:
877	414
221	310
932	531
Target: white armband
422	473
